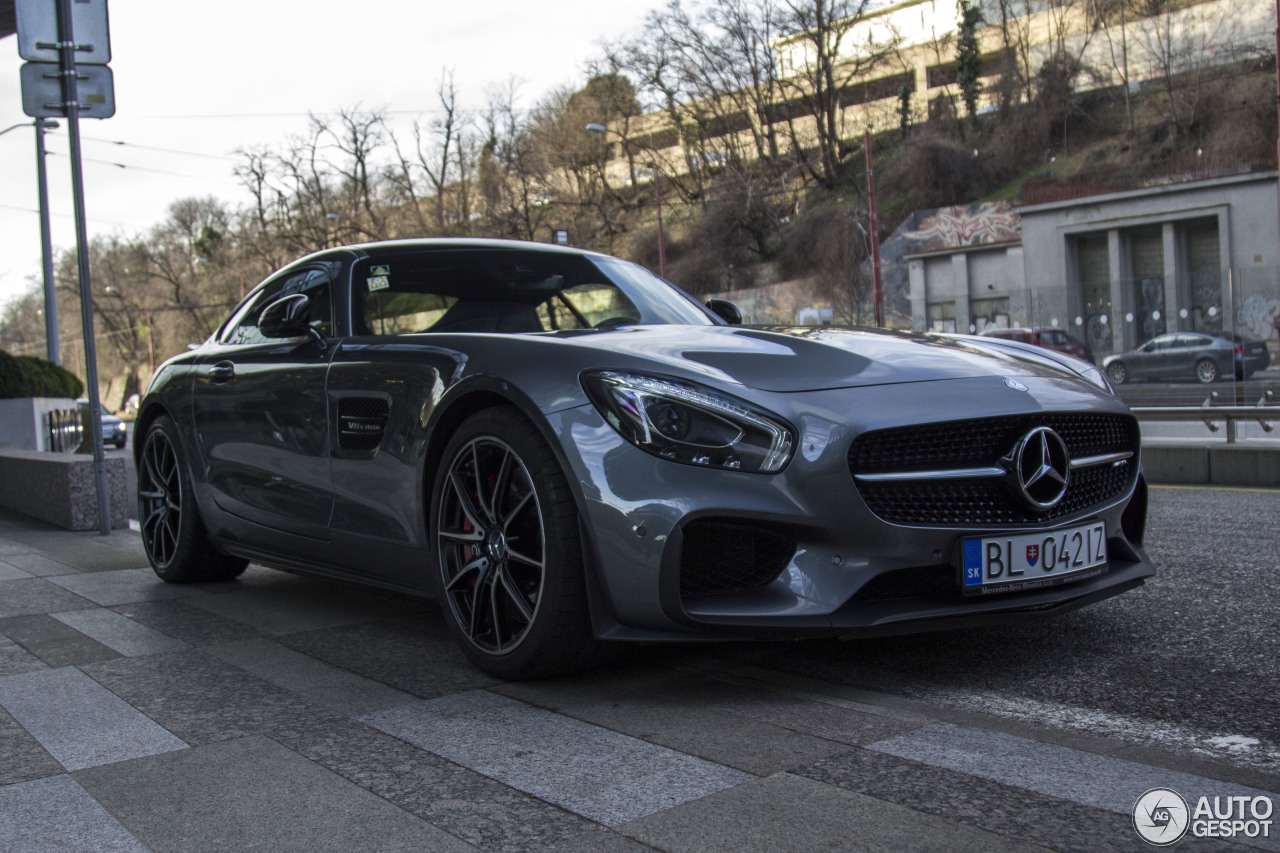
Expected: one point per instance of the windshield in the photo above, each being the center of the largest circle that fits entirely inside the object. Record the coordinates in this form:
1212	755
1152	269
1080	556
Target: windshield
510	291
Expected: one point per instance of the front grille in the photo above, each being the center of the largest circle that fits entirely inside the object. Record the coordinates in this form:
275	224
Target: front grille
982	443
720	557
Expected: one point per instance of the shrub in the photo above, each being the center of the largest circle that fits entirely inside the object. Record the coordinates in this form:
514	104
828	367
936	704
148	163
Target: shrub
53	379
28	376
15	379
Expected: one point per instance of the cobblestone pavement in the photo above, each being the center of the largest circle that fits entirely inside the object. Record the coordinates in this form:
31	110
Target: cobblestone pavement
283	713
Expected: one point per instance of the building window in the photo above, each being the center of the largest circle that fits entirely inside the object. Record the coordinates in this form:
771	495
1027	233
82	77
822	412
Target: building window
989	313
1093	272
1146	264
942	316
1203	275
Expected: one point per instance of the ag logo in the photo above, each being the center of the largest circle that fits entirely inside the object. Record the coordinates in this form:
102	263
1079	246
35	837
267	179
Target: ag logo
1161	816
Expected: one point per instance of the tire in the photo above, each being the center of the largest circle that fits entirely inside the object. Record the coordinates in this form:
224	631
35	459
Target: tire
1117	373
173	533
508	556
1206	371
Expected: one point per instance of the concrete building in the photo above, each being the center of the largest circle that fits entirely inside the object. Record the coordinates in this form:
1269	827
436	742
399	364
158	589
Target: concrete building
1112	265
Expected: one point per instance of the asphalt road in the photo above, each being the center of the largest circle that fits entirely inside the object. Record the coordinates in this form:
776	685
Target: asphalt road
1189	662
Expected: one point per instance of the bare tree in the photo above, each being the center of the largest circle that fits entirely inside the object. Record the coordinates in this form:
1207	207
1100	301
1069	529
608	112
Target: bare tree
834	52
512	185
1180	44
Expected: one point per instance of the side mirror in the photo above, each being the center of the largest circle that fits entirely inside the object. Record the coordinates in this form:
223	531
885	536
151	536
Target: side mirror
287	318
725	310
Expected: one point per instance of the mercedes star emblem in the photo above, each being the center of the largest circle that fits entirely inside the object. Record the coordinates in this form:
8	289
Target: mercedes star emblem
1042	467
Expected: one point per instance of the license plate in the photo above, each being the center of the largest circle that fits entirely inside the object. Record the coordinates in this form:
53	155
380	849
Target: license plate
1011	563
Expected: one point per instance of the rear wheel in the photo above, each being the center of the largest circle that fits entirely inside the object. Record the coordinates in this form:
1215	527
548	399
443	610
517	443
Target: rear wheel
508	555
1206	370
173	534
1117	373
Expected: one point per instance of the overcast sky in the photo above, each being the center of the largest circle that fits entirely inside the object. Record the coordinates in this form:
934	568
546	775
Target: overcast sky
194	82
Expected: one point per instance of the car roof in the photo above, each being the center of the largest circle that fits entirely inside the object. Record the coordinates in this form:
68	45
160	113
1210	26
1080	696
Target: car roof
444	243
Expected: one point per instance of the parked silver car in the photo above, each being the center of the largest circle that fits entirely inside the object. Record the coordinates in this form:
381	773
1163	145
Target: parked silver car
567	451
1189	355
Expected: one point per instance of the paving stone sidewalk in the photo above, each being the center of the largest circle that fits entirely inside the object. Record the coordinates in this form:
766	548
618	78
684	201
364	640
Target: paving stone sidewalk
284	713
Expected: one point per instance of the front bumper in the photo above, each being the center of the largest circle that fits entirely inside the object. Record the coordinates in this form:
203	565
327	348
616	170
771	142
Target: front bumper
847	571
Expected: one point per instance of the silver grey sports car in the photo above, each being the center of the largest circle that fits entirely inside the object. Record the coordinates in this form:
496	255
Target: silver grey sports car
567	451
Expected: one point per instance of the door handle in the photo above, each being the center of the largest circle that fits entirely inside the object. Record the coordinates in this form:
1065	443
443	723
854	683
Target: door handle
223	371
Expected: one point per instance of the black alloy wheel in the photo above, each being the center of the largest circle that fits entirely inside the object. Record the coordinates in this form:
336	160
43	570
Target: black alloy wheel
492	544
509	559
173	534
159	498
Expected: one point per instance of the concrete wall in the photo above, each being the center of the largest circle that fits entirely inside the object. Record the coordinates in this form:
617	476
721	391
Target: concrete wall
1211	464
59	488
22	421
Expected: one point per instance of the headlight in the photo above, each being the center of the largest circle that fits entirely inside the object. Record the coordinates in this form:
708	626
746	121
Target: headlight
688	423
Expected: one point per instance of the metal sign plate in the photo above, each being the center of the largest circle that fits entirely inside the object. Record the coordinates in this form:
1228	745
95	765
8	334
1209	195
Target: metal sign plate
42	90
38	25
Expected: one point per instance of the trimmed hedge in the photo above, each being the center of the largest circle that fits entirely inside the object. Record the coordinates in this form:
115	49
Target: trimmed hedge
28	376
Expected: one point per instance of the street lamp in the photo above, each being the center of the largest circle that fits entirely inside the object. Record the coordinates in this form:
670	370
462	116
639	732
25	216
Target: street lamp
657	191
53	350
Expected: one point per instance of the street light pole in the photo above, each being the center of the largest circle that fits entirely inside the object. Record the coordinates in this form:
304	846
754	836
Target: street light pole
53	349
662	244
878	291
53	346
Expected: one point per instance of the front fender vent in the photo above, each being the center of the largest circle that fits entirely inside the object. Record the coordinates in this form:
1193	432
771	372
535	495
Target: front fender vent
362	422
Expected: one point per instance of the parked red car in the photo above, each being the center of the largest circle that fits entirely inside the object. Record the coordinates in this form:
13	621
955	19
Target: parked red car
1047	337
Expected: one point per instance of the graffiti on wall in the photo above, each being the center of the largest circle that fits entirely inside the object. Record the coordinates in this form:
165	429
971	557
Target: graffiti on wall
965	225
1257	317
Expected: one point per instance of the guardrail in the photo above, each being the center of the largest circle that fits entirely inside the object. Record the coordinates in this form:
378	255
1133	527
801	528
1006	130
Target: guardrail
1210	414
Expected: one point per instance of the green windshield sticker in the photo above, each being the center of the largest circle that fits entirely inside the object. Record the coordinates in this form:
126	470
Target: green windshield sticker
380	270
379	282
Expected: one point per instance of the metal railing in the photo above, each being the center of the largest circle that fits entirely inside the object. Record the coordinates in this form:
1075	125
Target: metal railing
1177	169
1210	414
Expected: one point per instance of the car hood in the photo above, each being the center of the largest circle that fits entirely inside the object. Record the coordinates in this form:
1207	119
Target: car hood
789	359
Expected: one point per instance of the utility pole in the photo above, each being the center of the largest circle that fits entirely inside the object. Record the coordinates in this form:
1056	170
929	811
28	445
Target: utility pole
878	293
53	83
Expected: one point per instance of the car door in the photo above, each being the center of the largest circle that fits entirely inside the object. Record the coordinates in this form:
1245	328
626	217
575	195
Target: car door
1187	350
382	384
1149	360
260	413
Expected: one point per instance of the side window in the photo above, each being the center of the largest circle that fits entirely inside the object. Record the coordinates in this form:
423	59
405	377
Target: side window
594	303
404	313
466	291
313	282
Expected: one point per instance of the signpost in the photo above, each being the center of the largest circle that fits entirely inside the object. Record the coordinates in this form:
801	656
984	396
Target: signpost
67	46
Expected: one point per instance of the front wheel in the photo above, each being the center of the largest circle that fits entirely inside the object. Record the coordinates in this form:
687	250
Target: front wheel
1117	373
173	534
1206	371
509	563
